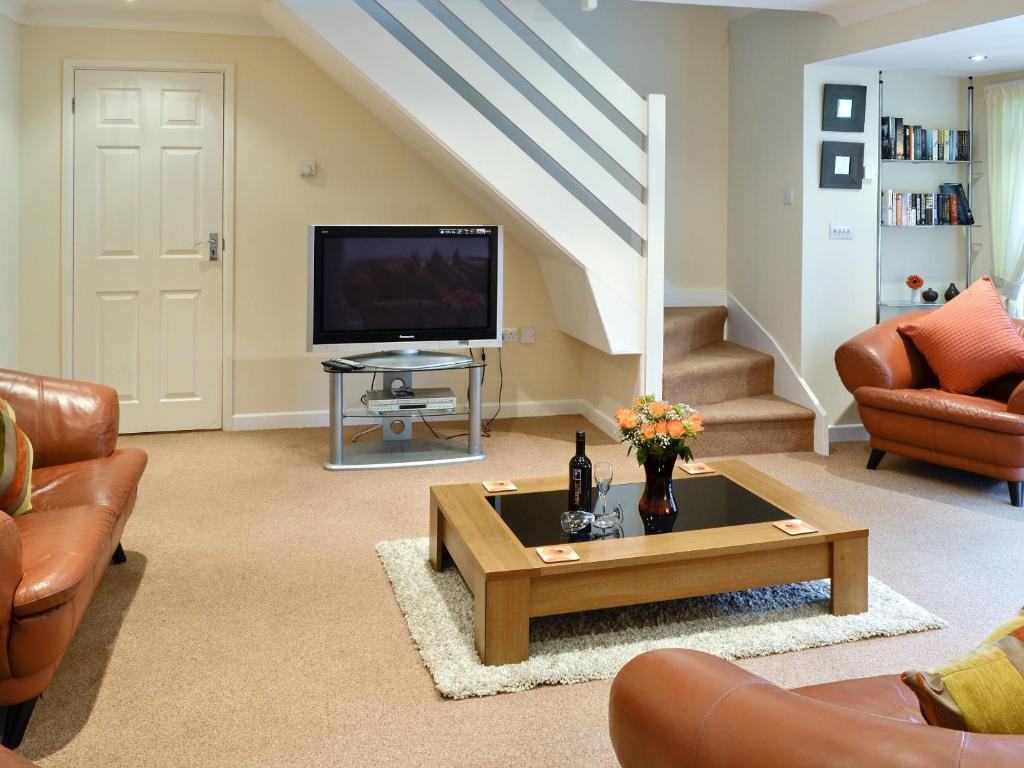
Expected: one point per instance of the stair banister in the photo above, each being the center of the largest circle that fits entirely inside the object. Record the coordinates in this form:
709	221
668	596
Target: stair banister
551	85
584	61
654	248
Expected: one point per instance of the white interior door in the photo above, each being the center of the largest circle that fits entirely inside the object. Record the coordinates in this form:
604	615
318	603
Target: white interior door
148	193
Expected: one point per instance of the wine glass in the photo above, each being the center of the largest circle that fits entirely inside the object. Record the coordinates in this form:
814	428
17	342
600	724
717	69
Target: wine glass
603	474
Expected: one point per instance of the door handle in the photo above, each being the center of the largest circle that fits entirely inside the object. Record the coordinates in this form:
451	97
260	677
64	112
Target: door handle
214	245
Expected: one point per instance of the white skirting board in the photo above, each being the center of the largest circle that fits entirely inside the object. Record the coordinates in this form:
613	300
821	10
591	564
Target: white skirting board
304	419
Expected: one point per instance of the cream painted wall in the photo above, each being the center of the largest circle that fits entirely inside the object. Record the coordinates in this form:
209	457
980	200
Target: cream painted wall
288	110
10	108
682	52
765	264
838	275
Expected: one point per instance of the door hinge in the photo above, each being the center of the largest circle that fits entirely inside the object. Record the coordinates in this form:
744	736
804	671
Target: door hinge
72	105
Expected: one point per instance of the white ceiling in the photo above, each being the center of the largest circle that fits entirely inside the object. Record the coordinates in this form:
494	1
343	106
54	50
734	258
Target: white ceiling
244	17
949	54
843	11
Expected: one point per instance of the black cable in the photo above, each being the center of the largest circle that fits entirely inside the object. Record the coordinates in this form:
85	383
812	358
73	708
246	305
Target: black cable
429	425
373	383
485	428
501	385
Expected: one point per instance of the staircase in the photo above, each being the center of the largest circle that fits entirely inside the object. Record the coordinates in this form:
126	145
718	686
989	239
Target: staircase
511	106
732	386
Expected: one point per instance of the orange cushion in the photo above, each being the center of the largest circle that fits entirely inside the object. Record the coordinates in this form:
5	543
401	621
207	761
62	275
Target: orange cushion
970	341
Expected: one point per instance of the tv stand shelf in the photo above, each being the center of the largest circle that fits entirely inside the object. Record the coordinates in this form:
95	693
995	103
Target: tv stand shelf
397	450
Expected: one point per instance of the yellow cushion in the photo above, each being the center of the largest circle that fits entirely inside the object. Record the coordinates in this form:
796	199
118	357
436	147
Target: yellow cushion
15	464
981	691
1017	622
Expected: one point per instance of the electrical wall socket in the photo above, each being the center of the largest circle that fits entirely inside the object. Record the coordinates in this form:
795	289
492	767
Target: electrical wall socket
528	335
838	231
510	335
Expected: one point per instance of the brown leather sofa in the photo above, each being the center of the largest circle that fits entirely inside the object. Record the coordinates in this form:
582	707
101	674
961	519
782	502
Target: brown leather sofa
52	559
9	759
686	709
905	413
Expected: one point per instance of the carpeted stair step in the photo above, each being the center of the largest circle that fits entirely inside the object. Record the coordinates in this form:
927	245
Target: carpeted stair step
718	372
761	424
688	328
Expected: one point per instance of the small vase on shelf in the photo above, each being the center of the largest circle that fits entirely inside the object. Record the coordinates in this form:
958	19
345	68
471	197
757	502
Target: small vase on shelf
914	284
930	295
952	292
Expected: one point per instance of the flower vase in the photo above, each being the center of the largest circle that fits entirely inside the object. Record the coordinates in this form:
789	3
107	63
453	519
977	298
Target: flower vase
658	499
915	295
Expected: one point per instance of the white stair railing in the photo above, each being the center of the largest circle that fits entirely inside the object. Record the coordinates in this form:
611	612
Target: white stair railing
599	200
516	107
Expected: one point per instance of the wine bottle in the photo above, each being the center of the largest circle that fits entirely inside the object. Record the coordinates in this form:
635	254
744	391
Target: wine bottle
580	477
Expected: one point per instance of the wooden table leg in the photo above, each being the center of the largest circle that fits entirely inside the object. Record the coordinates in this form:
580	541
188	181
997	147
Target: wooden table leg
502	610
849	576
436	535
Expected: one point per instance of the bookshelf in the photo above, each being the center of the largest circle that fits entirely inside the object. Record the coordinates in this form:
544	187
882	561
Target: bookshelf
903	232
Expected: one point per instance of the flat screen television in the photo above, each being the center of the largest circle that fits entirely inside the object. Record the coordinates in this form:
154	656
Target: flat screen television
394	287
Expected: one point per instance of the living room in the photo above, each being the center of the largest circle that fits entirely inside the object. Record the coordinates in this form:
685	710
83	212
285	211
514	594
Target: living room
255	530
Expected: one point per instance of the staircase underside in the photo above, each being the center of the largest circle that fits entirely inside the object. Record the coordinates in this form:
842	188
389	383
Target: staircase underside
594	277
732	388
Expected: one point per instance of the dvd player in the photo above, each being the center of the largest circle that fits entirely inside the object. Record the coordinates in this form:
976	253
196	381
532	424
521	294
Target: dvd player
384	401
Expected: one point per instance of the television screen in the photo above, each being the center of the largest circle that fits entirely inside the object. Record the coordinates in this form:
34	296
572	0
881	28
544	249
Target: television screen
401	284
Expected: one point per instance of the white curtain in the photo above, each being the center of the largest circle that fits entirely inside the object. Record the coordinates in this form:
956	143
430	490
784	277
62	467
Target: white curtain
1005	169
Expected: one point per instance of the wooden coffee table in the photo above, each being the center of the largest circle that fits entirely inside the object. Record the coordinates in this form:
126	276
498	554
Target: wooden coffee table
722	541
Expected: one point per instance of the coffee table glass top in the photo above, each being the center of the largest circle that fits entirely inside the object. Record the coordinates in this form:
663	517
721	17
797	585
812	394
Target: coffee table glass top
714	501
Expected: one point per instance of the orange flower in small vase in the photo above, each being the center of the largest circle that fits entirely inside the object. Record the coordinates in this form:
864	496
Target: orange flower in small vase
658	431
915	283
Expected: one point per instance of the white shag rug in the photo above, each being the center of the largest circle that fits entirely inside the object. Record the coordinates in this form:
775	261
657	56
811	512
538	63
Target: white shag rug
577	647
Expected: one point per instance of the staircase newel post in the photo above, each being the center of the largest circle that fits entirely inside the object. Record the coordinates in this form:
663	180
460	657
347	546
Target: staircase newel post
653	262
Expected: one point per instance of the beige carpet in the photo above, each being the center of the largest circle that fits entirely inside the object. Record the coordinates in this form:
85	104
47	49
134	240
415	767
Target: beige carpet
731	386
254	626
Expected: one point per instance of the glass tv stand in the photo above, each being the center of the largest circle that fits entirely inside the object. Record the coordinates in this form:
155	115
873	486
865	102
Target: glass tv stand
397	447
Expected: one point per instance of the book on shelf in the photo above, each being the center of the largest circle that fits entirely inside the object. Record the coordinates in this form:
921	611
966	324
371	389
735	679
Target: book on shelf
902	141
963	207
926	209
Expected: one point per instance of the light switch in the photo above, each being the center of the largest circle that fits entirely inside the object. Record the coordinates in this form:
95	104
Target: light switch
838	231
787	195
307	168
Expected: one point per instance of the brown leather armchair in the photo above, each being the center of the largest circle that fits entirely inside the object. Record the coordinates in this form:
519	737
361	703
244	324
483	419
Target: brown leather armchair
52	559
685	709
905	413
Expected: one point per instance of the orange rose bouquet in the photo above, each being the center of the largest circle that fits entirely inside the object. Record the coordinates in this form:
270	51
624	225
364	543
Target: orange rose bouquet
656	428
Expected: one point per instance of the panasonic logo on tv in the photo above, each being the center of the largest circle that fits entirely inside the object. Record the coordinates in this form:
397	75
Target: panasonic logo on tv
403	336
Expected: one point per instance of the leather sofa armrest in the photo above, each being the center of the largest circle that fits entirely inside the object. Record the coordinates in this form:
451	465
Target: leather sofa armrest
11	571
1016	402
882	357
674	708
67	421
10	759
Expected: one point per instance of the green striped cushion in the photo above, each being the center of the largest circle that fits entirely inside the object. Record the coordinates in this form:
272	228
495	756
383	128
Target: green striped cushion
15	465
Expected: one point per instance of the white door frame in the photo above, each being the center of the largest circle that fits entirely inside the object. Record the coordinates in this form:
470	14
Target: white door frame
67	228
